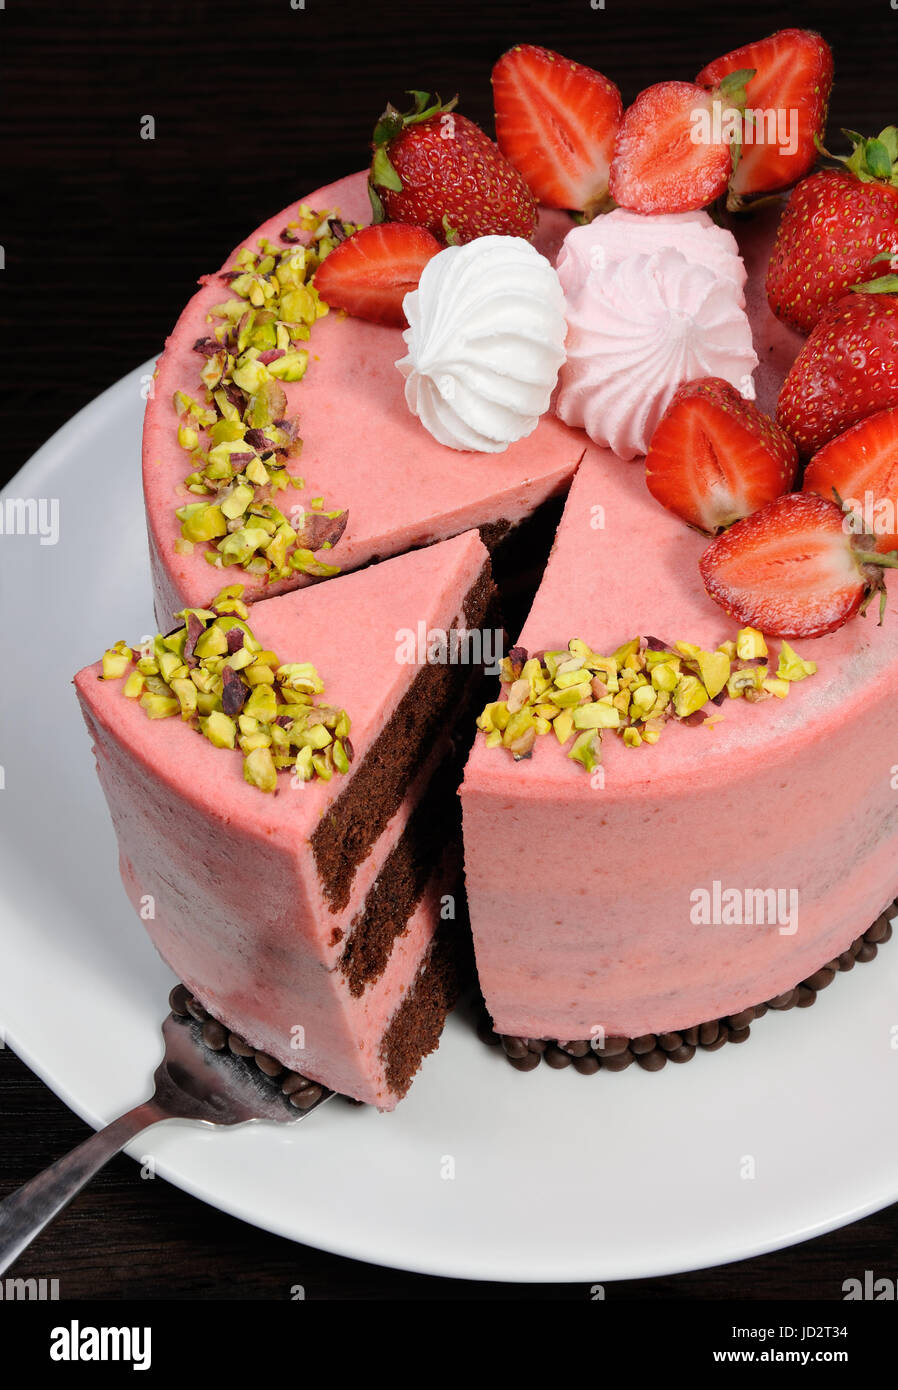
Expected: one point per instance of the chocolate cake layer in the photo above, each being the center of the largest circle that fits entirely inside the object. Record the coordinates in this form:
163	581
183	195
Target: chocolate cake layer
359	815
652	1052
415	1028
432	833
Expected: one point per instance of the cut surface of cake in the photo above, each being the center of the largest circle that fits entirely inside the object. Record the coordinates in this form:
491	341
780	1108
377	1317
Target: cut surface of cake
305	913
598	899
363	453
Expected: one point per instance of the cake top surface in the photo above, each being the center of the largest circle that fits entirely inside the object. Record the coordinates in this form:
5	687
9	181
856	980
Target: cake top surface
362	450
623	567
352	629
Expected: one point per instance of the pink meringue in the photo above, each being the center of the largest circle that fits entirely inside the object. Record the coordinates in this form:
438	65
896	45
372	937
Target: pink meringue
651	302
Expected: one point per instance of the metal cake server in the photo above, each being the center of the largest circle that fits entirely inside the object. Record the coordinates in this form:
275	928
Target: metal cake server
192	1083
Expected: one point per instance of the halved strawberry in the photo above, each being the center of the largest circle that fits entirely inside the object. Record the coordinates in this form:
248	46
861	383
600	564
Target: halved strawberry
788	95
557	121
861	465
715	457
672	152
793	569
371	272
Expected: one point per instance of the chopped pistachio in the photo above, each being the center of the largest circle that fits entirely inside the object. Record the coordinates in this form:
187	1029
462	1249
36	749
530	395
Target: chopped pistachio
259	770
750	643
791	666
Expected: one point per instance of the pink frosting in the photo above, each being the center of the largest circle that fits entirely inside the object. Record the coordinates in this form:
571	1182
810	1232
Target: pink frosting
651	302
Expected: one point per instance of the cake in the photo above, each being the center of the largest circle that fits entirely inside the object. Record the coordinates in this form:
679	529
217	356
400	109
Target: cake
673	818
313	921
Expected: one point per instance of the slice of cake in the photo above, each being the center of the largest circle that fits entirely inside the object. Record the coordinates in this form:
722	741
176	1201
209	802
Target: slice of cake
634	883
331	415
299	883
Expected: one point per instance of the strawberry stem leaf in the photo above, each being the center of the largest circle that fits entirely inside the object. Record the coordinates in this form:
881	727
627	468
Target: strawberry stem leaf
883	284
382	172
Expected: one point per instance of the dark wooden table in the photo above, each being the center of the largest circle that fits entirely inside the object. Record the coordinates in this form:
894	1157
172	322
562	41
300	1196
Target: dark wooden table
104	236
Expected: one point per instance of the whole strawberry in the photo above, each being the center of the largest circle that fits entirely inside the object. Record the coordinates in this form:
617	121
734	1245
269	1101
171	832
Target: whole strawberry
436	169
846	370
838	225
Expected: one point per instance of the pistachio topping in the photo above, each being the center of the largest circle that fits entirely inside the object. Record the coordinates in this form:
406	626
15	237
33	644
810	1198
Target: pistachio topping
218	678
578	694
239	436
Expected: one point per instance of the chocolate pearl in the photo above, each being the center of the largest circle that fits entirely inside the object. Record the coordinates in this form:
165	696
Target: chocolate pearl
846	961
820	978
240	1047
739	1035
788	1000
867	952
855	946
742	1019
293	1082
588	1064
515	1048
268	1065
613	1047
718	1041
619	1062
527	1062
537	1045
670	1041
684	1053
709	1032
214	1035
576	1049
486	1033
806	996
652	1061
760	1010
196	1010
691	1035
557	1059
640	1046
879	931
177	1001
305	1099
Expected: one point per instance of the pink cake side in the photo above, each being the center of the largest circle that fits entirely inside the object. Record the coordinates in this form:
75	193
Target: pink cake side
229	880
581	893
362	448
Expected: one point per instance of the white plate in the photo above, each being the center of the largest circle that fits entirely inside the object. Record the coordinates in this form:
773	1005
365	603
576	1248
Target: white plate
482	1172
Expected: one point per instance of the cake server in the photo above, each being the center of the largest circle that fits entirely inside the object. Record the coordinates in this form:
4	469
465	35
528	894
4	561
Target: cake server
192	1083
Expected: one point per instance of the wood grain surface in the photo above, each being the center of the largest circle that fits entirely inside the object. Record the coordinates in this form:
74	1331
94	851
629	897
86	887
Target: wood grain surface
104	235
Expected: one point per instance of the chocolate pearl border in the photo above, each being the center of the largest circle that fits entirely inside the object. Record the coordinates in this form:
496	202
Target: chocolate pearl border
653	1051
299	1090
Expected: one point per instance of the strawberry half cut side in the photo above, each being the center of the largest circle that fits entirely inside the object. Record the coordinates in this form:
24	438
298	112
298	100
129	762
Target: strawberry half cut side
795	568
861	468
673	152
371	272
557	122
715	457
787	99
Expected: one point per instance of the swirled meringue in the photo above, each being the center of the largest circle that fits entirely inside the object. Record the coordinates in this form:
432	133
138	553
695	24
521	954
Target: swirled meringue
485	343
642	320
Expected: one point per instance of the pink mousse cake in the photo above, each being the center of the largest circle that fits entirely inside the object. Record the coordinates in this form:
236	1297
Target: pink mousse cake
301	908
390	485
597	897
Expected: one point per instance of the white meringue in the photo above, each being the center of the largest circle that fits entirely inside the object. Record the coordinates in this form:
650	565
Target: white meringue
485	343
